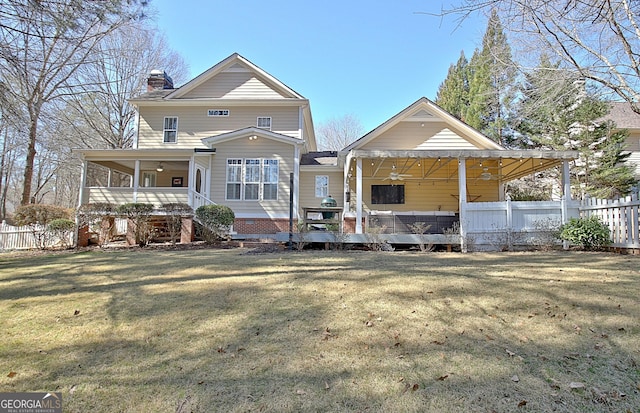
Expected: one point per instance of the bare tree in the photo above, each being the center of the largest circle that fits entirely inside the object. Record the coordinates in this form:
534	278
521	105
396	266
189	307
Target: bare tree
599	39
42	45
101	115
337	133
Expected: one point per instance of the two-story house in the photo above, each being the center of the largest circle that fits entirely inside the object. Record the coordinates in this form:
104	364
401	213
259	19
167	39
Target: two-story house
235	135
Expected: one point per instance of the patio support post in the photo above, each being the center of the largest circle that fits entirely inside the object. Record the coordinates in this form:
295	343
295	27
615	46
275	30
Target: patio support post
462	189
192	180
83	182
566	197
136	180
296	180
358	195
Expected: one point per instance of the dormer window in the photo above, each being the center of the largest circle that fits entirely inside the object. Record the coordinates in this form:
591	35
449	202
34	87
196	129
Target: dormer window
170	131
264	122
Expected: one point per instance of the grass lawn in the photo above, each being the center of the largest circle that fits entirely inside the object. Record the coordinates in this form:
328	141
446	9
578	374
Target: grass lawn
231	331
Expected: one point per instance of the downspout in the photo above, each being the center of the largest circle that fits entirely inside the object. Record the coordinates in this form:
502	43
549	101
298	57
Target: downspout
192	167
462	190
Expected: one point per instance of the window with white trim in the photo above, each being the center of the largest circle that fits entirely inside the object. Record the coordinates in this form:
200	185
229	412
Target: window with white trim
252	179
322	186
234	179
170	130
149	179
264	122
270	172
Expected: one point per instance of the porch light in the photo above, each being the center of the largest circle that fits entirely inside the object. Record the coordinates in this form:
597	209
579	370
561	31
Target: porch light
253	138
160	168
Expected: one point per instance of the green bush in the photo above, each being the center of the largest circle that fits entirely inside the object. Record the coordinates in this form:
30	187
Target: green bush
37	217
588	233
61	229
140	215
216	221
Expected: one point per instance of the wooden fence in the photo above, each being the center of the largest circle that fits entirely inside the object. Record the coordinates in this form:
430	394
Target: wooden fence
621	215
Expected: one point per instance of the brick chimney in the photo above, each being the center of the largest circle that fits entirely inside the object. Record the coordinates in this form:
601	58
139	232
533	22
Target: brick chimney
159	80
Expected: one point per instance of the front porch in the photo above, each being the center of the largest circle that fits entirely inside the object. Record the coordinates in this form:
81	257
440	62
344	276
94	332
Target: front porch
154	177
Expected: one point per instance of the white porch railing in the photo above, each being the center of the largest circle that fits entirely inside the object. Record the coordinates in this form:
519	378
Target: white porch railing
509	223
482	217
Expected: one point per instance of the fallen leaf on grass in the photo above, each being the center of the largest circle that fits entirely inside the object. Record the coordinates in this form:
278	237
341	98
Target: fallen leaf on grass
77	312
510	353
522	403
443	378
576	385
515	379
12	374
300	392
326	386
415	387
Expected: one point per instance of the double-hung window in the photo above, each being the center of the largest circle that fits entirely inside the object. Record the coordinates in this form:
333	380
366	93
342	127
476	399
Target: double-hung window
252	179
170	131
322	186
270	179
234	179
264	122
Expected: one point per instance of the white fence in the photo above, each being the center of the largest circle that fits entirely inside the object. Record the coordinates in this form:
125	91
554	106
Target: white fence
518	222
21	238
621	215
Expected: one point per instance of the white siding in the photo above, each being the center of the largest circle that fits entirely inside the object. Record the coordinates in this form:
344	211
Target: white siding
194	124
234	85
308	185
263	149
413	135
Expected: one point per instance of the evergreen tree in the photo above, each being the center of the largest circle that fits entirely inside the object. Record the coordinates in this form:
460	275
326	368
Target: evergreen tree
558	113
491	85
453	93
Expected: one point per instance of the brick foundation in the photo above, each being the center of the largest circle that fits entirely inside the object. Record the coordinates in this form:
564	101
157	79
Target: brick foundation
84	236
261	225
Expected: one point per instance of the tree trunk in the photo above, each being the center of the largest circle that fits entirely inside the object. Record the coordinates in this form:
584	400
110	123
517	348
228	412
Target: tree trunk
31	156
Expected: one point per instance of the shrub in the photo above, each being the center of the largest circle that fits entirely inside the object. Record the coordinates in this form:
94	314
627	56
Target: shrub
589	233
37	217
140	215
216	221
62	229
175	212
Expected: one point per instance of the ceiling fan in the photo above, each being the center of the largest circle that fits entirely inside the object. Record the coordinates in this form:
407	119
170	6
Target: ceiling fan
395	176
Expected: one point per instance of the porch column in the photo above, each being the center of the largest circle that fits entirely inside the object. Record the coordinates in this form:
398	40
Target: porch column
566	197
296	181
83	182
462	193
136	180
358	195
192	181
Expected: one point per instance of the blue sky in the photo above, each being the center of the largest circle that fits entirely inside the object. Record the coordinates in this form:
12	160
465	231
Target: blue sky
370	58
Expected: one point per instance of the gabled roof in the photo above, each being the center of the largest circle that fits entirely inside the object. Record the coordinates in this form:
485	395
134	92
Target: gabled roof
623	116
424	110
251	132
235	61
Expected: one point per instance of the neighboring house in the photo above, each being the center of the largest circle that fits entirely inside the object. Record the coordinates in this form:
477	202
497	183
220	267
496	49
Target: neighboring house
237	136
627	119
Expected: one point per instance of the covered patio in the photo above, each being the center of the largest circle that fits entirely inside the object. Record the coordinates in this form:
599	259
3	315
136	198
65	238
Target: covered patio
398	188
